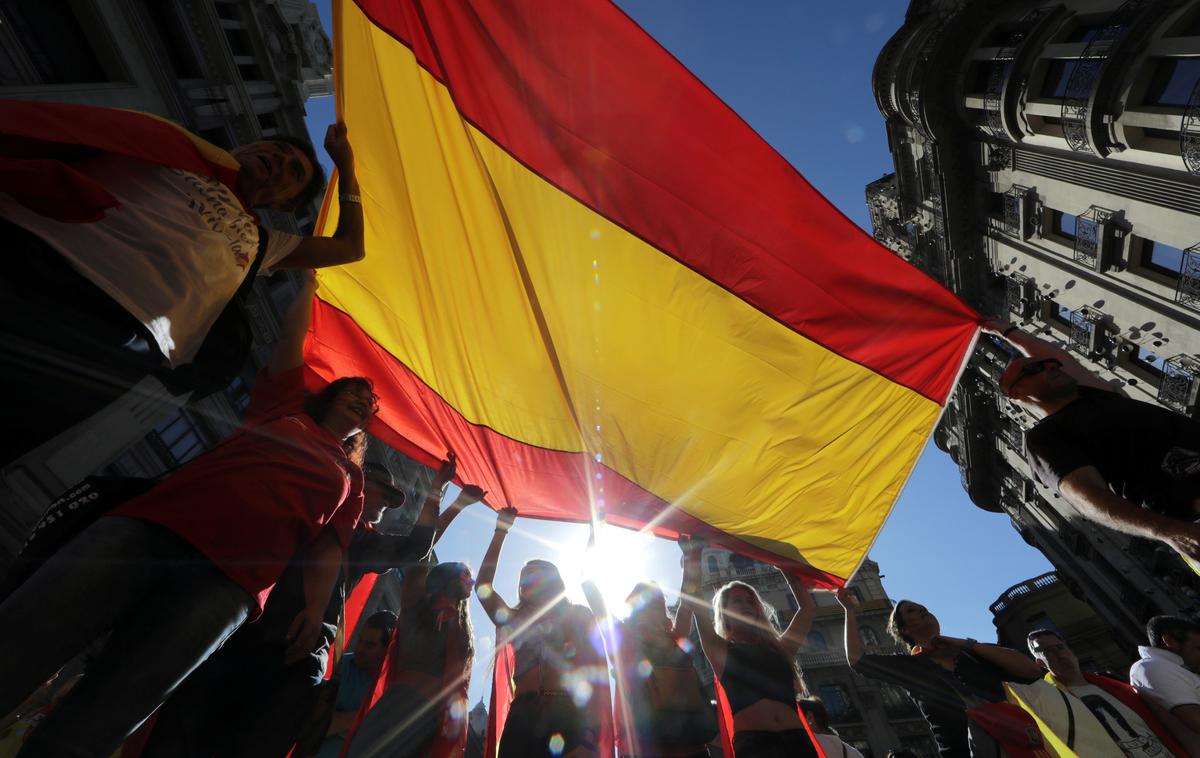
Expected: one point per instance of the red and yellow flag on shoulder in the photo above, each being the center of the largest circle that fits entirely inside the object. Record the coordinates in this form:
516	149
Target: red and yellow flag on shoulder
594	282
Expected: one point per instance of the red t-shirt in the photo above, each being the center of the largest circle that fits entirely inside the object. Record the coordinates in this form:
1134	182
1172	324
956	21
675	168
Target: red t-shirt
263	494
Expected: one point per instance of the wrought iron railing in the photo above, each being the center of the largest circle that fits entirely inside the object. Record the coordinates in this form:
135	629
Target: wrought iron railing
1189	134
1086	331
1188	291
1089	234
1002	65
916	80
1022	589
1179	385
1015	210
1086	72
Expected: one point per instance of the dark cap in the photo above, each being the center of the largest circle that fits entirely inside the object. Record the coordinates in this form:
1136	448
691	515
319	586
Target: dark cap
379	474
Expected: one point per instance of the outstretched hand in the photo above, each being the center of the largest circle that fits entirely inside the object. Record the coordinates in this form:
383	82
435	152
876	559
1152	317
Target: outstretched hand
446	471
471	494
505	518
337	144
848	599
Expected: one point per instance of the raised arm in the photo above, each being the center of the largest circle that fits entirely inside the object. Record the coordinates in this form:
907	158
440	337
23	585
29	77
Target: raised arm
1016	664
1086	490
289	350
797	631
346	244
853	641
681	627
715	647
1033	347
470	495
595	598
498	610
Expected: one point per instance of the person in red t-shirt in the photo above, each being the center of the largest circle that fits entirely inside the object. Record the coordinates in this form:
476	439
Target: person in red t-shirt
173	573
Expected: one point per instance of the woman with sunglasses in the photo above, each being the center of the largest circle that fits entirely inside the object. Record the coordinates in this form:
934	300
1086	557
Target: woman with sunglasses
1132	466
560	703
209	544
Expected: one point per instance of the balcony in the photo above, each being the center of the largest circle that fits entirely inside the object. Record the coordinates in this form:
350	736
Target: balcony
1189	135
1086	74
1020	206
1188	291
1017	591
1002	67
1094	232
1180	384
1020	295
1088	334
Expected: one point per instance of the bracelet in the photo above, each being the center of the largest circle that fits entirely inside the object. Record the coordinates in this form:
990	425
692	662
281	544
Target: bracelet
346	197
1009	329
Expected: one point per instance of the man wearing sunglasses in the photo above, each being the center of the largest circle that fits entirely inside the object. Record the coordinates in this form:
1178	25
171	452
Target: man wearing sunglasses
1128	465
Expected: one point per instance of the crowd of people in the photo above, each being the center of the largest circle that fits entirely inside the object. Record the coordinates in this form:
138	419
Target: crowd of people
211	606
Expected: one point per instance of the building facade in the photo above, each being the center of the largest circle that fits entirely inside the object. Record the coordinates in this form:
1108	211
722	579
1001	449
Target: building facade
1045	603
1047	169
873	716
232	71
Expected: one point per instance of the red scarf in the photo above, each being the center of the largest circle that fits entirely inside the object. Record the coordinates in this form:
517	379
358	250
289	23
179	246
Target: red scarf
38	142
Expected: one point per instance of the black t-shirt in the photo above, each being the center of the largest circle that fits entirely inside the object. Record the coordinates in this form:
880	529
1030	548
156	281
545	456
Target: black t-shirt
1147	454
940	693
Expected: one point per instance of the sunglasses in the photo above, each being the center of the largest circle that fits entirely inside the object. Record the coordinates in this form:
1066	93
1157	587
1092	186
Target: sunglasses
1035	368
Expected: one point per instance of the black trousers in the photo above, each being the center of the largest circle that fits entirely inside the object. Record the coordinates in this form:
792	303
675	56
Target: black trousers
793	743
67	349
534	719
244	702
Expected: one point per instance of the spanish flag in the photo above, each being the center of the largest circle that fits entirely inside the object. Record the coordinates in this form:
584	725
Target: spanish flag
603	290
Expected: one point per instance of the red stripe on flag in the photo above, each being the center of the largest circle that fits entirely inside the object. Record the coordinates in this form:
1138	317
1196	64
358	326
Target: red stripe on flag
582	96
539	482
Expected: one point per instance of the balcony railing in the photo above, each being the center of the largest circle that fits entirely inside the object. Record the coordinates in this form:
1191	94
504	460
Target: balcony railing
1086	73
1022	589
1087	332
1188	291
1180	383
1090	227
916	81
1002	66
1189	135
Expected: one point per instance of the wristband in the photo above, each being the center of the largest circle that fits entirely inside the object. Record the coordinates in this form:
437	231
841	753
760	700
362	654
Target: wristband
1005	333
347	197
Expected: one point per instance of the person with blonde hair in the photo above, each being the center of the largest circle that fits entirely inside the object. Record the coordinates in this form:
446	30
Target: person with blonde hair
753	663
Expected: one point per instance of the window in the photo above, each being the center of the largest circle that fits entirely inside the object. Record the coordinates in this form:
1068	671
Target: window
857	593
1173	82
1147	360
816	642
179	438
1084	33
1058	75
713	568
869	637
836	700
1161	257
1063	224
57	42
175	39
741	562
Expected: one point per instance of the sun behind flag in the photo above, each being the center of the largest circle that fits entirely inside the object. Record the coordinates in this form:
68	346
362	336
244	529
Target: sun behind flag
596	284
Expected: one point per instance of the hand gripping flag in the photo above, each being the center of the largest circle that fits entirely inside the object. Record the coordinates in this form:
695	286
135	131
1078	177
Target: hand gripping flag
593	281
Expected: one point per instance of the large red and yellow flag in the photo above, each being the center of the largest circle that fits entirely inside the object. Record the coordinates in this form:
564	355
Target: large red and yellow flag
592	280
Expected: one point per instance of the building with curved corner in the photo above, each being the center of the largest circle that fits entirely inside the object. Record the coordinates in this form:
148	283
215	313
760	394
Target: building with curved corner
1047	169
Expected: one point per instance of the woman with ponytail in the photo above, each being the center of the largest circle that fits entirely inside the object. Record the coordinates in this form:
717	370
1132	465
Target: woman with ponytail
757	678
420	701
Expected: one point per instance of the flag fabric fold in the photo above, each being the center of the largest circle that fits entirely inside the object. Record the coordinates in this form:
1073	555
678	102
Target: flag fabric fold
596	284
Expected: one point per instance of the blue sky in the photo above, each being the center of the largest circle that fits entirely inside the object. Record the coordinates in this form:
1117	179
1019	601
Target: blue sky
800	74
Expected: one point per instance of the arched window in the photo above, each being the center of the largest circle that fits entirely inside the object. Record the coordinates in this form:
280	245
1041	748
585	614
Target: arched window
713	568
836	700
869	637
816	642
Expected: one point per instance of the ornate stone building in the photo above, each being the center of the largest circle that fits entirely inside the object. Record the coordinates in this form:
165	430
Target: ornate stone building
1045	603
874	717
233	71
1047	169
